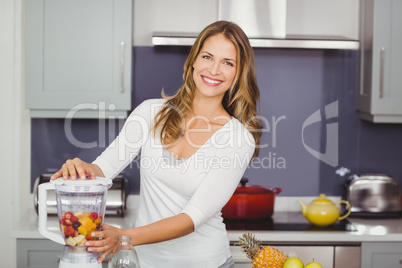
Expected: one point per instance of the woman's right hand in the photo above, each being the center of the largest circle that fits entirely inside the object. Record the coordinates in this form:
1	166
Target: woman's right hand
75	168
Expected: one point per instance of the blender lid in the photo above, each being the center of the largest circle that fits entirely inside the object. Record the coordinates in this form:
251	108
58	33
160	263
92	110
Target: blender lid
95	185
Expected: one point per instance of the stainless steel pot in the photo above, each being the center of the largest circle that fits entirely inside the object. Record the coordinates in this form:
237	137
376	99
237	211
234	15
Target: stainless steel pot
374	195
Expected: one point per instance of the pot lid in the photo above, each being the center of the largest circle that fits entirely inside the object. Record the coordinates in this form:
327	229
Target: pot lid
254	189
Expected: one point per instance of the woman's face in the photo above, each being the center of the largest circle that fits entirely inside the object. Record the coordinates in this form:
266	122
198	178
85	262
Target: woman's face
215	67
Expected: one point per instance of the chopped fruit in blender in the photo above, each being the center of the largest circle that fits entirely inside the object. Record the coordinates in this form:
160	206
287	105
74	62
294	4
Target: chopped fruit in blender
76	224
79	238
73	218
88	224
94	215
82	230
78	214
69	231
80	225
82	243
70	241
68	215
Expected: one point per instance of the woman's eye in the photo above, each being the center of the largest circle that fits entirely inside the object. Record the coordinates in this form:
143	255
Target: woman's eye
206	57
228	63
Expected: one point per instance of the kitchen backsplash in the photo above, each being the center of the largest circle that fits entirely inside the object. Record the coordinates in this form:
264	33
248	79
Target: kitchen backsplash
307	104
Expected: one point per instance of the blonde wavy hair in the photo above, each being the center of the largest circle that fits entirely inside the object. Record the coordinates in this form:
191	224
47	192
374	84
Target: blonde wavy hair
240	101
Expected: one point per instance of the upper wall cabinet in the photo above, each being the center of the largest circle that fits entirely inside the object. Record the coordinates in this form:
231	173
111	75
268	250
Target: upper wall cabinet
78	58
379	98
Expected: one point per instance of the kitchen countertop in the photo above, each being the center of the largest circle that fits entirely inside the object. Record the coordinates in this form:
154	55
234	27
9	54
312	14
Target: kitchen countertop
361	230
365	230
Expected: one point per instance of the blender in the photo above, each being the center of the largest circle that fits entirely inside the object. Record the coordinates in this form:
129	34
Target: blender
81	210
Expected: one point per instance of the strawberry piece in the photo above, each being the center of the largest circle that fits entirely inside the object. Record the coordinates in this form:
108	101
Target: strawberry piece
69	231
88	238
73	218
68	215
94	216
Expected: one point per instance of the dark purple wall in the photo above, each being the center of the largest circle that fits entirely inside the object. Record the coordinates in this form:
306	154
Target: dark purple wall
294	84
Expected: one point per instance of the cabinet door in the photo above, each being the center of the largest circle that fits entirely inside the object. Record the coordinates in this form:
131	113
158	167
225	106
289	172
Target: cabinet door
378	255
40	253
380	94
78	55
347	256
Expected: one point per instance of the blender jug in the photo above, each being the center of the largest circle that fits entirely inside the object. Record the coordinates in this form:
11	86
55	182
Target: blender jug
81	208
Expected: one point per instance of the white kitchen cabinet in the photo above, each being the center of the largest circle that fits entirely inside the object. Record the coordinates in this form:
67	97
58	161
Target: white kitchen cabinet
321	18
379	98
378	255
39	253
78	58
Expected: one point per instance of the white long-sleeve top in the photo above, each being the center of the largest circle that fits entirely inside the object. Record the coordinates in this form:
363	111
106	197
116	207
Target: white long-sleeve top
199	186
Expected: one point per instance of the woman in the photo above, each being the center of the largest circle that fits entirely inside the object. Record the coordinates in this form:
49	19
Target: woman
195	147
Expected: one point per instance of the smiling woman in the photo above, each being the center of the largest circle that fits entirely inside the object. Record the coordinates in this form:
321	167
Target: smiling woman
190	145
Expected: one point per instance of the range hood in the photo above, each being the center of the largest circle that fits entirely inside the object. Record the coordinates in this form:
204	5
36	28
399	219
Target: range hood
279	24
326	42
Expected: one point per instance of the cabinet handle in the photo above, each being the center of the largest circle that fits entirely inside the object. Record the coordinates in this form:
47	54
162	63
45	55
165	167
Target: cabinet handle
122	67
382	60
400	261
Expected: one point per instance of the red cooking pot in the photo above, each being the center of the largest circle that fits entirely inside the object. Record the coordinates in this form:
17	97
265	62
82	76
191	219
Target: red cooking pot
250	202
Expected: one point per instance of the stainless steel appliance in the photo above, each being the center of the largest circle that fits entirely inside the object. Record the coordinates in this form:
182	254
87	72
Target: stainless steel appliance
116	197
374	195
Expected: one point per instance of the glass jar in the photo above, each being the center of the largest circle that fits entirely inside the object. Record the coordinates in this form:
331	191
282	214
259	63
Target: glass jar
125	256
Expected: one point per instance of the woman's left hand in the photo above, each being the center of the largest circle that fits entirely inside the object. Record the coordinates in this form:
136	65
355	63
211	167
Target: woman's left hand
109	240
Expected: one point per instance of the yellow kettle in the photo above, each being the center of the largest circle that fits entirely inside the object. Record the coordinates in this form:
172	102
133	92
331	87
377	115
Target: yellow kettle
322	211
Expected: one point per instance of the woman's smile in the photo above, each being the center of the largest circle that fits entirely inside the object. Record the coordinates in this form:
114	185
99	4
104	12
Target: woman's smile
211	81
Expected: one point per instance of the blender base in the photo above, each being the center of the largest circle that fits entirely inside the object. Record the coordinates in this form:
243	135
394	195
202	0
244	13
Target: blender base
78	257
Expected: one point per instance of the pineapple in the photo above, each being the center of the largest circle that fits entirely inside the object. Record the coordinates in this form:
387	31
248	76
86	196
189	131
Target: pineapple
260	256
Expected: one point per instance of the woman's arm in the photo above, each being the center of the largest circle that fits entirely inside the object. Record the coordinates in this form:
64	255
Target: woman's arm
163	230
120	152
